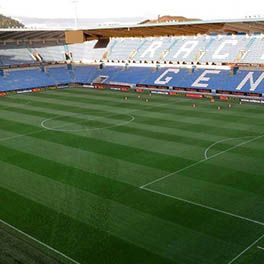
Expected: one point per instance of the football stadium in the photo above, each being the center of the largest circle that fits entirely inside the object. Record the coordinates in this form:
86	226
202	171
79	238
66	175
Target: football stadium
133	144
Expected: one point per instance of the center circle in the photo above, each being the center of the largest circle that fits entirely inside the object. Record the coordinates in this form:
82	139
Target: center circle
58	124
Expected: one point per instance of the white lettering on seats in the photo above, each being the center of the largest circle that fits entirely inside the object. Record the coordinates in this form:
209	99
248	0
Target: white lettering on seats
218	55
203	78
162	80
151	50
253	84
186	48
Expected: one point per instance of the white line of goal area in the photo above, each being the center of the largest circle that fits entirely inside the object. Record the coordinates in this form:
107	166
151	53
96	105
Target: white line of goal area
246	250
145	187
57	252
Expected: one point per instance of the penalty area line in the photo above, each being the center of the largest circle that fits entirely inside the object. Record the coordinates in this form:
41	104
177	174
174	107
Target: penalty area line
222	141
205	206
245	250
40	243
201	161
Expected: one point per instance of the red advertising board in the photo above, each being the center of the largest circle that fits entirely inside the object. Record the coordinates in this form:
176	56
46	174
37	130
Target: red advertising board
198	96
139	90
125	89
36	90
224	98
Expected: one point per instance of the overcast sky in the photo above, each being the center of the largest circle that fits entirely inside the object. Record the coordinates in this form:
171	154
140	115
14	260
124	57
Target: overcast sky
205	9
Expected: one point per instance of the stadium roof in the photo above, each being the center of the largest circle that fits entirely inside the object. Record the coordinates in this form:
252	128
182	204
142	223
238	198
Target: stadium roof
16	35
249	26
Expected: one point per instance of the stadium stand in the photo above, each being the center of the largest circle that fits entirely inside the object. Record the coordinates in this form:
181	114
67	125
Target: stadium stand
195	49
13	56
25	79
201	63
52	53
171	78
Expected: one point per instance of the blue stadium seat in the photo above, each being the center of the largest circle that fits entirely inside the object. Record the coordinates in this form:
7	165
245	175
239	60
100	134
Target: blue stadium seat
242	81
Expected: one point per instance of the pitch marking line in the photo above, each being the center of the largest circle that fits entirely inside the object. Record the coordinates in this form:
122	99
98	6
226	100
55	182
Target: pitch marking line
244	251
39	131
17	105
201	161
59	128
205	206
21	135
261	248
221	141
144	187
40	243
132	118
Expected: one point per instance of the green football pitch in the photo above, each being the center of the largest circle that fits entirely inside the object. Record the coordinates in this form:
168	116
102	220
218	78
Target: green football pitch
89	177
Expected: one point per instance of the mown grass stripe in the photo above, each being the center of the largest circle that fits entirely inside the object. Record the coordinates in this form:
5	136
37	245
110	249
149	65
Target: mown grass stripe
111	189
183	123
118	219
86	160
126	153
160	111
183	105
78	180
180	140
86	119
174	131
81	241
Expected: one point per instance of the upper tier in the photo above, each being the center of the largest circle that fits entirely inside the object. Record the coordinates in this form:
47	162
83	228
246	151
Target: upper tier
219	49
